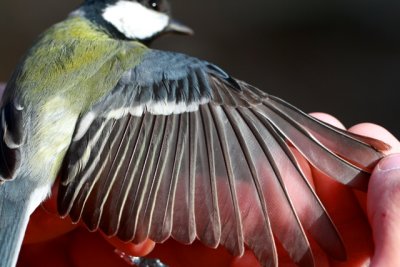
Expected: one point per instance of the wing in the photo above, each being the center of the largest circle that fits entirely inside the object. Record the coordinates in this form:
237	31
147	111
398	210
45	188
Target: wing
12	137
180	149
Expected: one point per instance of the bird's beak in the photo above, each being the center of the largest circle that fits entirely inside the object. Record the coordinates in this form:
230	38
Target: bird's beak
179	28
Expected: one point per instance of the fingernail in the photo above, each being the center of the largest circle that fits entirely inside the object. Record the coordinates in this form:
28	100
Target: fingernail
389	163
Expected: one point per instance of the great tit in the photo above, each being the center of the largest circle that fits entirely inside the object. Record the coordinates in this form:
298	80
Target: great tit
155	144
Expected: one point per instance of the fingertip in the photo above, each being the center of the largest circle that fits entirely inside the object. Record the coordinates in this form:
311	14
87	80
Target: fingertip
328	119
377	132
384	211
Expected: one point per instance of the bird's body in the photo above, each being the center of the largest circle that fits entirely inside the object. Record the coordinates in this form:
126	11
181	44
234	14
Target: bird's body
70	57
53	83
154	144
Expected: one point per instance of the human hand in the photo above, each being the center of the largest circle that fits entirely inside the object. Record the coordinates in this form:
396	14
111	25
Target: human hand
348	209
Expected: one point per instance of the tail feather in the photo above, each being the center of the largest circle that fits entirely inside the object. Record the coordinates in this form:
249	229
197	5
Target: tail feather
14	220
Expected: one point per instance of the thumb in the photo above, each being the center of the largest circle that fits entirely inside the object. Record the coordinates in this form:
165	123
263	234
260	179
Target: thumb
384	211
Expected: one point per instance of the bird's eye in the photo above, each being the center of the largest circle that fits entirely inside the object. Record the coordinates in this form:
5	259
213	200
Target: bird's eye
154	4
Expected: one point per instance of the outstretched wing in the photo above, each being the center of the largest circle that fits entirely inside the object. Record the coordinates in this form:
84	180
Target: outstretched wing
180	149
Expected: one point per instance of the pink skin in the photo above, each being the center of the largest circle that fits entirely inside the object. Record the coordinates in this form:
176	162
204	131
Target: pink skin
383	203
383	197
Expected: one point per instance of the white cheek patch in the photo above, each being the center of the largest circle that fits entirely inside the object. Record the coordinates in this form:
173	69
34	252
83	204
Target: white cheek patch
134	20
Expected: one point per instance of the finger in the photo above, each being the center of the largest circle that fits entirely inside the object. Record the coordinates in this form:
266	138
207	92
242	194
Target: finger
380	133
137	250
334	195
348	217
384	211
377	132
328	119
343	207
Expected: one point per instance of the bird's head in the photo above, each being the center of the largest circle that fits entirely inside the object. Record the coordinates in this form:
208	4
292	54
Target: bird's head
141	20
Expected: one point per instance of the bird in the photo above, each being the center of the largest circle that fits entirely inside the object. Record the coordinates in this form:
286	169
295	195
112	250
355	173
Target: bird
156	144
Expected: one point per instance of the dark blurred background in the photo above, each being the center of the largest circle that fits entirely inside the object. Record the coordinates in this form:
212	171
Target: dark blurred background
336	56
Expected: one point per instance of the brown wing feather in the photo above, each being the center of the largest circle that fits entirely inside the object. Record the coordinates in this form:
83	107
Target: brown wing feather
224	174
161	218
